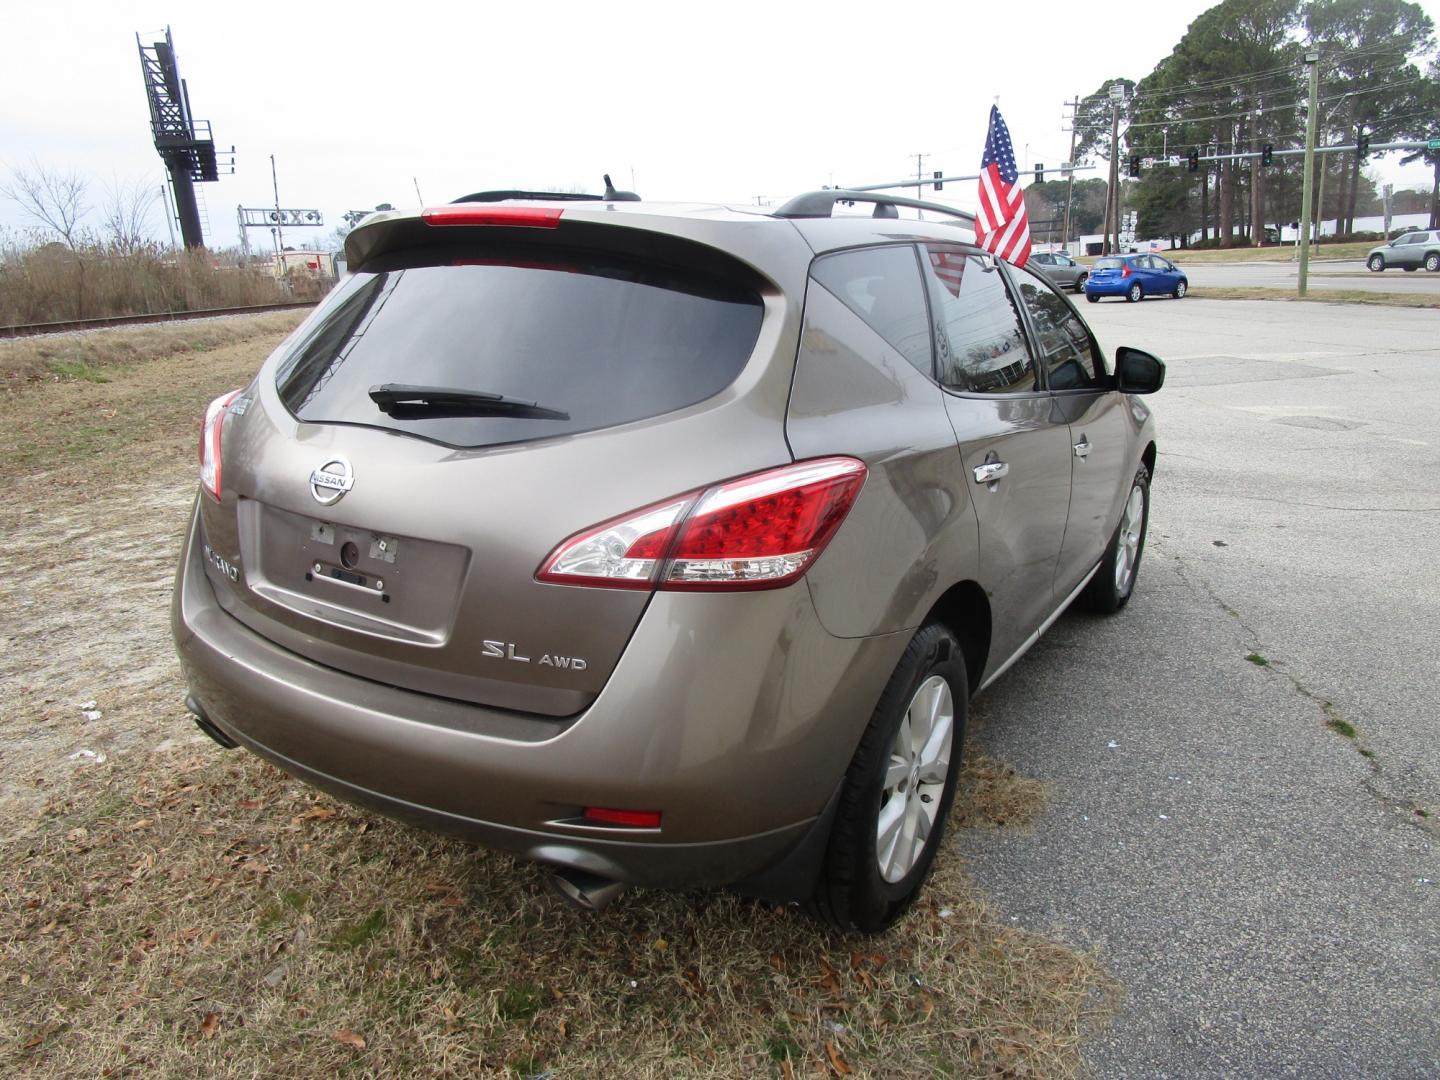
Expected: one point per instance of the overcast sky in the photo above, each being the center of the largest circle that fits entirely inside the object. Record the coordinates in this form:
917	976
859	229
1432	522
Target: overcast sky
361	102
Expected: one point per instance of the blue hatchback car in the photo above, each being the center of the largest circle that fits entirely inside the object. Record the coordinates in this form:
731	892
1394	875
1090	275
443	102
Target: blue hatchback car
1134	277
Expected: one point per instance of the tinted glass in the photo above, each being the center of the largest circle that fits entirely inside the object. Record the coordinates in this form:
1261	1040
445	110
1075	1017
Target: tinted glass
978	333
882	286
1109	264
602	339
1070	358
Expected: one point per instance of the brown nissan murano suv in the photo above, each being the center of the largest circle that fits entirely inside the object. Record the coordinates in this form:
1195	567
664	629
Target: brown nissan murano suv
662	544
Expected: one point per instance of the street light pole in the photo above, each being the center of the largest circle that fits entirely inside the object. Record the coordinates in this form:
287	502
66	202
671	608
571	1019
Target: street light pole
1312	61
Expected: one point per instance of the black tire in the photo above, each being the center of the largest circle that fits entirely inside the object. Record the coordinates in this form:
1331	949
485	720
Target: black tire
1181	288
1135	293
1080	283
1103	594
1376	263
1432	262
852	894
1092	297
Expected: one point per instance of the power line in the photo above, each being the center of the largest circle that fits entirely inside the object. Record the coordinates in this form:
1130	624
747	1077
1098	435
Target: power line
1180	121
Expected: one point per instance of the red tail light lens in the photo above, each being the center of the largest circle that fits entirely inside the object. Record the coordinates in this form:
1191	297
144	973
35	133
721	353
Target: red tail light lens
531	217
1124	269
758	532
210	442
635	819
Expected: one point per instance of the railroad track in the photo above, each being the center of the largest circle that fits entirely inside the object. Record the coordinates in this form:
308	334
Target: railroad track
34	329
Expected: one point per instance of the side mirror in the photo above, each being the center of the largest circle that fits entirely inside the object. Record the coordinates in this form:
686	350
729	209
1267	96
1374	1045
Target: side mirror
1138	372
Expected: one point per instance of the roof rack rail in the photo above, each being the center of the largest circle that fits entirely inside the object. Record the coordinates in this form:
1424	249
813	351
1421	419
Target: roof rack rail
820	204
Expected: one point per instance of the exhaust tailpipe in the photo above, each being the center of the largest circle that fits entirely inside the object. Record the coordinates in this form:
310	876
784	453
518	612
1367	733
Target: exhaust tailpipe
585	891
204	724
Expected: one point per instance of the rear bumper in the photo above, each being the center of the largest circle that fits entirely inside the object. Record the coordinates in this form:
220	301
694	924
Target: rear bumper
1107	288
735	715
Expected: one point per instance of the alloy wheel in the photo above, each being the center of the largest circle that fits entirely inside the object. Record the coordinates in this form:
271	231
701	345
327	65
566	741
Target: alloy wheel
915	778
1128	554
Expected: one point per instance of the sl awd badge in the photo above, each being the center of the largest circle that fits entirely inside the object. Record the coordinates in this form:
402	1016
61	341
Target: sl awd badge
331	481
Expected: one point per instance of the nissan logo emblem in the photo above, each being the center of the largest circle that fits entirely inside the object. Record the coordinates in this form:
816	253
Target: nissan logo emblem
331	481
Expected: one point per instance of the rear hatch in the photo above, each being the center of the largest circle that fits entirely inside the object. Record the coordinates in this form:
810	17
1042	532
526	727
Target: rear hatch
1107	270
461	404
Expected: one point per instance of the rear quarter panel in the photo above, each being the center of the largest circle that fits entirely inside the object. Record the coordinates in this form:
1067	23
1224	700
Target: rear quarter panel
912	532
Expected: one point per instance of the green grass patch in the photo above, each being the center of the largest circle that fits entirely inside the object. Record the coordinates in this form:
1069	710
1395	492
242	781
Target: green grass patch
782	1049
77	369
1258	660
521	1001
357	934
1344	727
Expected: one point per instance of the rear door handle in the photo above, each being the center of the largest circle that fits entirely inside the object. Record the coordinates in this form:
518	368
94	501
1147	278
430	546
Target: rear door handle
1082	448
991	471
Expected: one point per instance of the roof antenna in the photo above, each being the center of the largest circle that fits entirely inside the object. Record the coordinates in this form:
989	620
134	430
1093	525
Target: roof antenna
611	195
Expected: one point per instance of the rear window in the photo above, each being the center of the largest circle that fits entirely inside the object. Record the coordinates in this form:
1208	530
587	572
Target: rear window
603	339
1108	264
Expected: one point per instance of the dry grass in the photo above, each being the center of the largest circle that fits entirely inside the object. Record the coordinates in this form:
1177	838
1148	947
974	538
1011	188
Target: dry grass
52	356
1322	296
174	910
88	396
52	283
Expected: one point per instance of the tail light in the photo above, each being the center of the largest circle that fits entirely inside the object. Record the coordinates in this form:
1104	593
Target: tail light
210	442
532	217
760	531
1124	269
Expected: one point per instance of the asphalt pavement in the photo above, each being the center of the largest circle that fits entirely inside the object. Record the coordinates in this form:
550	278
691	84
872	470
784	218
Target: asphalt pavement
1324	274
1266	888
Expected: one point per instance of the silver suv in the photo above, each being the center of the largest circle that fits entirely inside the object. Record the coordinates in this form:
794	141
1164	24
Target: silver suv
1410	252
1060	269
660	544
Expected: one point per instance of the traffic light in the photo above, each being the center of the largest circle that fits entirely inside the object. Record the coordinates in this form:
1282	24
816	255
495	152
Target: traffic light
1362	145
1194	160
1135	166
1267	155
938	175
1039	172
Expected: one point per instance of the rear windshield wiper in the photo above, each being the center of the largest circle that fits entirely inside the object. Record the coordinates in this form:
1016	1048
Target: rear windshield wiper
405	402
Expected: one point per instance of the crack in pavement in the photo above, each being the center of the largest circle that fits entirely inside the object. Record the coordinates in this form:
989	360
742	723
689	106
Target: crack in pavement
1412	811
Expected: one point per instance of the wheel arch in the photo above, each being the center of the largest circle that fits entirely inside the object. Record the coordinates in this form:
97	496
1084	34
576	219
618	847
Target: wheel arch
965	609
1147	458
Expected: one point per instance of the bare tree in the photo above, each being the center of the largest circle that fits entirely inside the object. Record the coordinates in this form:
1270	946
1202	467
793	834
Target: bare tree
127	214
53	199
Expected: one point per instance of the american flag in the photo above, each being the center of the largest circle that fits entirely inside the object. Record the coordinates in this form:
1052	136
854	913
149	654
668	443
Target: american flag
1002	227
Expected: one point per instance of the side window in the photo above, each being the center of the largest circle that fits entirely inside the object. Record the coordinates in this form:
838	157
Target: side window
1072	362
882	285
978	333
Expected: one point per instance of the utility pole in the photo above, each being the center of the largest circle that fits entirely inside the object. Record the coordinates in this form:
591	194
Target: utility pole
919	172
1312	61
278	234
1070	182
1112	216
